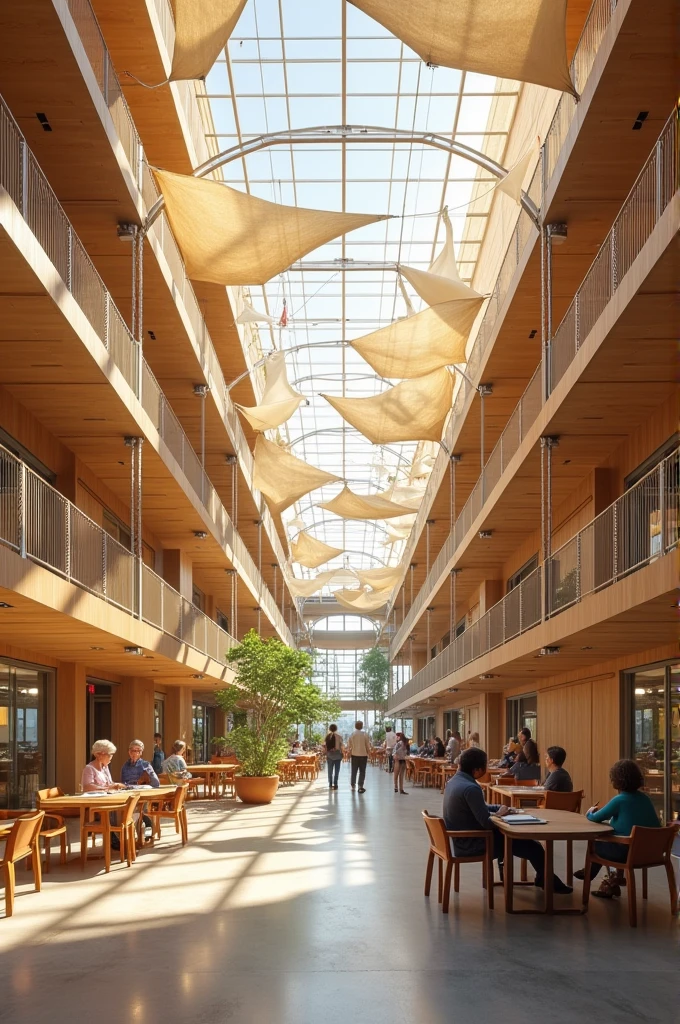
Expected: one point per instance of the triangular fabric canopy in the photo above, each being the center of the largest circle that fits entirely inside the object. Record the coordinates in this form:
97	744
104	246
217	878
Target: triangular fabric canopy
380	579
441	283
511	184
312	553
422	467
281	477
410	495
395	534
229	237
305	588
413	347
521	39
414	410
202	28
279	400
249	315
355	506
361	600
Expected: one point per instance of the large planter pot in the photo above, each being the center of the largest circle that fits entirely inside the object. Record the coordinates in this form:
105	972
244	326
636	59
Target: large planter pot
256	789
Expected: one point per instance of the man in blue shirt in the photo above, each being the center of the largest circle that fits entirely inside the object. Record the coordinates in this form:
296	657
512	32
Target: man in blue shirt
465	809
136	766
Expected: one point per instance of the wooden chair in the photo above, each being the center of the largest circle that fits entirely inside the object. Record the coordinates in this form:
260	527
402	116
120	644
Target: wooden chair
57	829
52	794
440	848
172	810
555	801
423	771
647	848
288	772
21	842
101	824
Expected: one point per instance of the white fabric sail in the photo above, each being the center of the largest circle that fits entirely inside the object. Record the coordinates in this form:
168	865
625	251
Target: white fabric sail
414	410
380	579
202	29
511	184
362	600
305	588
279	400
312	553
395	534
441	282
250	315
281	477
229	237
410	495
521	39
357	506
420	344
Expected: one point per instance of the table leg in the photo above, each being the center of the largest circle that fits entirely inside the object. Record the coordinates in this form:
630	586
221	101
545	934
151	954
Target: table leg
548	893
508	875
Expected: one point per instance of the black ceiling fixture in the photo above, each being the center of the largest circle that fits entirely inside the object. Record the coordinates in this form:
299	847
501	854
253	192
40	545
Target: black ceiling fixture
46	126
639	120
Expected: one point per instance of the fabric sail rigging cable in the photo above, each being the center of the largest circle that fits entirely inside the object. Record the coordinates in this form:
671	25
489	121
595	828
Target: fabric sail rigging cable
283	478
229	237
415	410
310	552
521	39
279	399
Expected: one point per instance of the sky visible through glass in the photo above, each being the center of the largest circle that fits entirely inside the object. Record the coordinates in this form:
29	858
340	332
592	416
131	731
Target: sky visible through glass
304	63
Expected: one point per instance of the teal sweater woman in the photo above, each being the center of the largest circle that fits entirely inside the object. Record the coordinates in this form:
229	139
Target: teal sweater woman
631	807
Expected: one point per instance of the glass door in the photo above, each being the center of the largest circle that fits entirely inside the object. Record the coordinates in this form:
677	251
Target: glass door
23	701
200	733
655	741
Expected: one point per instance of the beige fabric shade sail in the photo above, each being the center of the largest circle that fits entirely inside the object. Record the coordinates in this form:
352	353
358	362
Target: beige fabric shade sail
414	410
521	39
441	282
202	28
281	477
229	237
249	315
279	400
305	588
312	553
355	506
379	579
511	184
362	600
420	344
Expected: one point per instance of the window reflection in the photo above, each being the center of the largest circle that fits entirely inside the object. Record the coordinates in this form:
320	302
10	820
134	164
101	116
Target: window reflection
22	733
656	735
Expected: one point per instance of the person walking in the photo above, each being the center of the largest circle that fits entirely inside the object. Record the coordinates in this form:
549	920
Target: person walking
359	747
390	743
400	753
333	743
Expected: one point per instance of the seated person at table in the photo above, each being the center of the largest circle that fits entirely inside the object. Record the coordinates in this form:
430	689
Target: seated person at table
629	808
510	753
96	777
465	809
528	763
426	749
136	767
414	747
473	739
558	778
438	750
175	764
453	746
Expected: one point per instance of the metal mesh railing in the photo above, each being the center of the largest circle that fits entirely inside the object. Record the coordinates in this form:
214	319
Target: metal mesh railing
653	190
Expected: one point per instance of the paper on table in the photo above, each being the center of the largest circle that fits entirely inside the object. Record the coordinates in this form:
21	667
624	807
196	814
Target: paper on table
525	819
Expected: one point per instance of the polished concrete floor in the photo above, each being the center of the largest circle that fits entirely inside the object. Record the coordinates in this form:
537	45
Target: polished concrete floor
312	909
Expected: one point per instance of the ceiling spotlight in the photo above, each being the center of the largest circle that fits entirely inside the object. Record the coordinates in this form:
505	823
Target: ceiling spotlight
557	233
200	534
127	232
485	534
197	675
201	390
586	648
96	648
137	651
452	689
3	604
548	652
487	675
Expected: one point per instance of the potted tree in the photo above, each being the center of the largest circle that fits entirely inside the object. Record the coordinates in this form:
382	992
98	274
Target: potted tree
273	689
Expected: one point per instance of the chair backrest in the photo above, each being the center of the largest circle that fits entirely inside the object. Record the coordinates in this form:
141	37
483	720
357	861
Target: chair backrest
164	779
486	777
556	801
129	808
22	836
525	782
49	794
649	846
507	780
436	830
178	798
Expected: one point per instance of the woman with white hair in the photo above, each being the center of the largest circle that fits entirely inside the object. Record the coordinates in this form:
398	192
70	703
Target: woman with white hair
96	777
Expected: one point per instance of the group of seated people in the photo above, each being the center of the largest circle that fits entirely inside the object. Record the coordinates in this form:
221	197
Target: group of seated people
435	746
465	809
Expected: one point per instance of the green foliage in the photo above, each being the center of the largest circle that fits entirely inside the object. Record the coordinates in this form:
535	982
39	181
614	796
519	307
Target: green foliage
274	691
374	674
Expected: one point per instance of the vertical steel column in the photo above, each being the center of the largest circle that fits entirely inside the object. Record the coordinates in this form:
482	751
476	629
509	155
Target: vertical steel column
544	314
201	391
485	391
403	603
428	524
275	567
550	443
140	542
543	547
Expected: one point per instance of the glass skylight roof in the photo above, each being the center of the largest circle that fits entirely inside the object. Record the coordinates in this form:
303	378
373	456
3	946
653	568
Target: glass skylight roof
295	64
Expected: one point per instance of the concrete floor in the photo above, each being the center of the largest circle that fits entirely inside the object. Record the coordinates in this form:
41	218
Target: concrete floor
312	909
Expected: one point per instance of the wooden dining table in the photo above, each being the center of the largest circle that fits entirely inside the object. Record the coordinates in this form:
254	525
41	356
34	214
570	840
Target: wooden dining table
513	796
83	802
559	825
213	775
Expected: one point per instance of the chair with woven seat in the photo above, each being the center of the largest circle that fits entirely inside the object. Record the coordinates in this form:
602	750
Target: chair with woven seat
440	849
21	843
556	801
647	848
171	809
101	824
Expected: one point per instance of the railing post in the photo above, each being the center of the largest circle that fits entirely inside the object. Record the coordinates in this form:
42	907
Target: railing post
578	566
104	561
107	319
67	540
662	505
23	170
658	179
613	249
22	510
69	260
615	541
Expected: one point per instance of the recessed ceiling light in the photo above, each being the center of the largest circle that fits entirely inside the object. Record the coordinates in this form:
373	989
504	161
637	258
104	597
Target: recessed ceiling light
96	648
485	534
44	123
3	604
586	648
200	534
134	650
197	675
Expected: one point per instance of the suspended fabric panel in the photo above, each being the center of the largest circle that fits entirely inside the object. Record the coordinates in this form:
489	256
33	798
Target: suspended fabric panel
395	534
312	553
422	343
441	283
414	410
249	315
511	184
229	237
410	495
521	39
202	29
279	400
281	477
305	588
380	579
355	506
362	600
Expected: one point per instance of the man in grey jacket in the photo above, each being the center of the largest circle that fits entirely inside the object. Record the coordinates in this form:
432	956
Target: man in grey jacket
359	747
465	809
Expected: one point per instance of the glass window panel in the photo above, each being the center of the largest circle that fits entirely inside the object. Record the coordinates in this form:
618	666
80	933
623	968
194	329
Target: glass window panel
649	729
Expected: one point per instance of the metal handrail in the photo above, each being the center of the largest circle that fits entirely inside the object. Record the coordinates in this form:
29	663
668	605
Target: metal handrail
639	527
40	524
